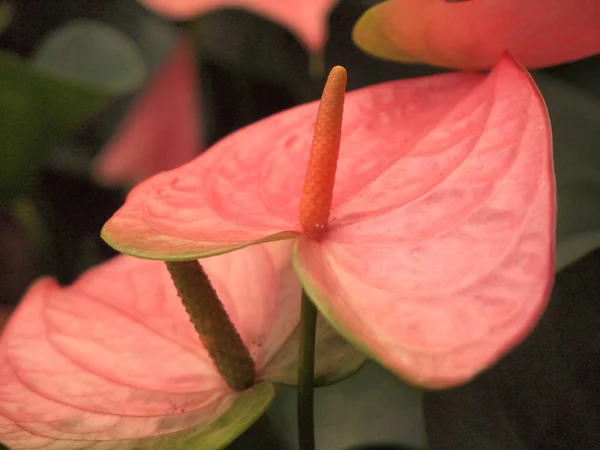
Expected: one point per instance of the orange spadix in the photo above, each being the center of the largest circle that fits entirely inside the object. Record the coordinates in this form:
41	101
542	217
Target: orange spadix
317	193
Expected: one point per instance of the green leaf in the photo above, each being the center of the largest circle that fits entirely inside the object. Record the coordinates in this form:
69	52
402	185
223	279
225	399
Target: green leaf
6	14
94	54
40	105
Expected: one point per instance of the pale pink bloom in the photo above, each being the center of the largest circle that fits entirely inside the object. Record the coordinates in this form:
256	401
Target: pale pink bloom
162	130
113	362
473	34
307	19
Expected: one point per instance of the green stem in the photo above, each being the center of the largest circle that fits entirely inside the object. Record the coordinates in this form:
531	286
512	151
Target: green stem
218	334
306	374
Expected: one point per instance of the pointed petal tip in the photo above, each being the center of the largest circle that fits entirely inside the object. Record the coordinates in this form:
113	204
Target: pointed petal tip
39	287
471	35
369	36
145	244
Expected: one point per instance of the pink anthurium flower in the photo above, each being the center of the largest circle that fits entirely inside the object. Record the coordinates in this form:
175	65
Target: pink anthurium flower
437	255
473	34
113	361
307	19
162	131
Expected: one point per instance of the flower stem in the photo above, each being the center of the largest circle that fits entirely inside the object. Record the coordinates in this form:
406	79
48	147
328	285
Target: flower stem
306	374
218	334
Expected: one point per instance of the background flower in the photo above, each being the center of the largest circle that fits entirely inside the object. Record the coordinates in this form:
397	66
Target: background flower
473	34
307	19
114	360
162	130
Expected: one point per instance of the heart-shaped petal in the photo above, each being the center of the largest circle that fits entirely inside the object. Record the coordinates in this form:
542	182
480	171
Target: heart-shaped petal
447	260
474	34
162	131
307	19
113	361
246	188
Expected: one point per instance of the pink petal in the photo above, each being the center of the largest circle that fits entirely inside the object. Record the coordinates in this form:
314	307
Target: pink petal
438	276
261	293
474	34
247	187
114	356
48	396
307	19
162	131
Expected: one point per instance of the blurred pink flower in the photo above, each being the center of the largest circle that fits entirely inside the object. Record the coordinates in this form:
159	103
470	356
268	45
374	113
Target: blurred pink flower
162	130
307	19
473	34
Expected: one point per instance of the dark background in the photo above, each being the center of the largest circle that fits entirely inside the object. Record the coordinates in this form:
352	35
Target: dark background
543	395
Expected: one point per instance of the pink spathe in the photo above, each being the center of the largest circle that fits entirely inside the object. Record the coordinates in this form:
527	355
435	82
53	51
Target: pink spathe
439	252
113	358
162	130
307	19
474	34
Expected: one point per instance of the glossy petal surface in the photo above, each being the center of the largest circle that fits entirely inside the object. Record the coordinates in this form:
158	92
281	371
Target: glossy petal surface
246	188
474	34
447	262
307	19
162	131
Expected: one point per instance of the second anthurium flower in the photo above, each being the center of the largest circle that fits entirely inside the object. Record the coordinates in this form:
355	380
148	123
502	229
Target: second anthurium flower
150	141
436	251
307	19
473	34
113	361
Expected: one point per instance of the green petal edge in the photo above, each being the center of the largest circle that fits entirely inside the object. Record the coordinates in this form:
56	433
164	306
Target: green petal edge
250	405
136	246
368	36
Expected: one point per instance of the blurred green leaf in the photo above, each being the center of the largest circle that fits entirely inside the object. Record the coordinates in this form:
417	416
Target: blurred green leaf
93	53
575	118
6	13
42	102
372	407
